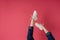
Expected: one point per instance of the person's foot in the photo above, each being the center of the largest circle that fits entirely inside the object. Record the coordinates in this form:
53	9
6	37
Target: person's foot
40	26
34	17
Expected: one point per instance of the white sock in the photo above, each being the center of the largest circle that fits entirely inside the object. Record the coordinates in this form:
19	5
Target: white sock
40	26
34	15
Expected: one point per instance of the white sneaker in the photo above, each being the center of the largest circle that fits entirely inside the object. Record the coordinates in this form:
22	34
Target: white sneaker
40	26
34	15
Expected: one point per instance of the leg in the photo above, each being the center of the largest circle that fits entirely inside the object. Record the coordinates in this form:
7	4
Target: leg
31	27
30	31
48	34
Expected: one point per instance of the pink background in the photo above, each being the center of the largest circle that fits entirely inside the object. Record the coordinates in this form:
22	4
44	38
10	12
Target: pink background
15	18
